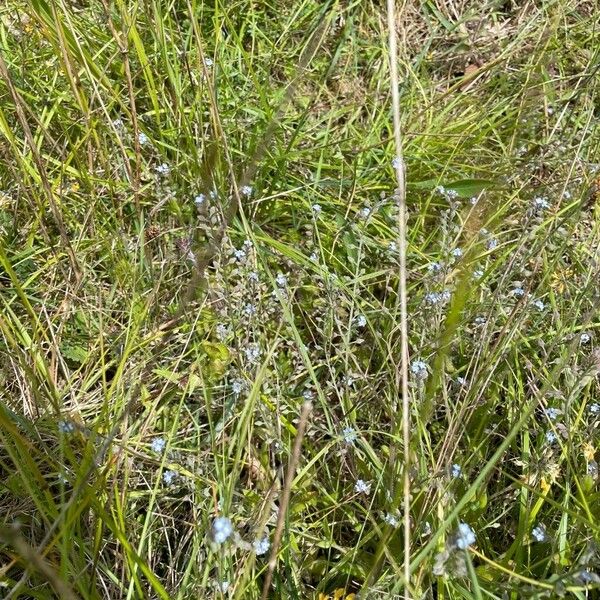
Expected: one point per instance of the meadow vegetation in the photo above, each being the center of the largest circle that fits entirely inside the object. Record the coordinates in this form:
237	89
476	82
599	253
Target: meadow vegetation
199	299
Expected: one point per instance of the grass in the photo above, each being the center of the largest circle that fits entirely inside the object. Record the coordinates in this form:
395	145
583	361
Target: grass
199	240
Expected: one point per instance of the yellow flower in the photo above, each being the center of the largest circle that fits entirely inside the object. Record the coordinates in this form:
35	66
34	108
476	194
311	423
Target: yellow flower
560	279
588	451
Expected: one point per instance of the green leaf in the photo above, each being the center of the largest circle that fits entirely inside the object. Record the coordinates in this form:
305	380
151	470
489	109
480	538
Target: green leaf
466	188
75	353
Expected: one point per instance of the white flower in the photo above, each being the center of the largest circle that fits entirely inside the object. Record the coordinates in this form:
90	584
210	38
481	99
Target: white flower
584	338
240	254
465	536
158	445
539	533
163	169
222	528
360	321
519	292
316	208
199	199
456	253
281	280
143	138
118	123
237	386
595	408
362	487
246	190
208	63
261	546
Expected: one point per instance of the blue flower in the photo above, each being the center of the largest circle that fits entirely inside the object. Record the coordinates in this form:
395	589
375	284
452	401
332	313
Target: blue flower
550	437
199	200
237	386
169	477
539	533
222	528
362	487
360	321
365	212
158	445
349	434
253	352
552	413
163	169
449	194
584	338
492	244
540	204
539	305
456	470
246	190
390	519
249	309
261	546
419	369
66	427
143	138
464	536
222	331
